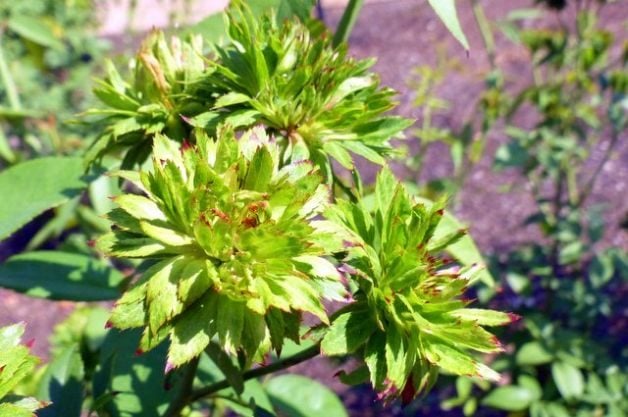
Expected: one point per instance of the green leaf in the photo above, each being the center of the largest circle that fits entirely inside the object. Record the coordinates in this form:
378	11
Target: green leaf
5	147
518	282
351	85
16	362
601	270
10	336
347	333
510	398
230	99
375	358
230	322
256	398
35	30
30	188
396	357
568	380
61	276
260	171
62	384
533	353
385	190
225	363
446	10
12	410
347	21
482	317
358	376
299	396
511	155
140	385
532	384
191	332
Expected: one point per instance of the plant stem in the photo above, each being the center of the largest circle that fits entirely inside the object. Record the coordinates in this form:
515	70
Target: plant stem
557	206
347	21
281	364
485	31
7	80
588	188
179	403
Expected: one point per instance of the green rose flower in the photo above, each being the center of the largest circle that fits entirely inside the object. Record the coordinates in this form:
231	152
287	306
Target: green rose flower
236	249
409	318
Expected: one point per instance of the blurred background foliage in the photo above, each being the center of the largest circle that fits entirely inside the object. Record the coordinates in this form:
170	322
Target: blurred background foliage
48	56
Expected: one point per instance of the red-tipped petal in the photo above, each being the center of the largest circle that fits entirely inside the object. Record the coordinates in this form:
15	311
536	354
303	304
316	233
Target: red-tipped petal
169	367
514	317
408	393
497	343
30	343
139	351
108	324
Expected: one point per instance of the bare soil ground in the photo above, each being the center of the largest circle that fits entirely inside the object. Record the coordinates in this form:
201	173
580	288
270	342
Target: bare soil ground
403	34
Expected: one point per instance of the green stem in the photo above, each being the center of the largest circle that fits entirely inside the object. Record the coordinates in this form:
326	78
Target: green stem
7	80
347	21
557	206
485	31
280	365
344	187
588	188
179	403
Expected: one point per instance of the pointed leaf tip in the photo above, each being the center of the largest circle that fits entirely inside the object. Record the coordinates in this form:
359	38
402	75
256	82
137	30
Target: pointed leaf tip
514	317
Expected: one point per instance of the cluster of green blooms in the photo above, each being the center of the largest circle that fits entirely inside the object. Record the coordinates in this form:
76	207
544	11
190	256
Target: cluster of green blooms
318	103
241	245
236	222
16	363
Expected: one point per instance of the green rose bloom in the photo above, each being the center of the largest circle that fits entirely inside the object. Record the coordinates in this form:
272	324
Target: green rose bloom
237	252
